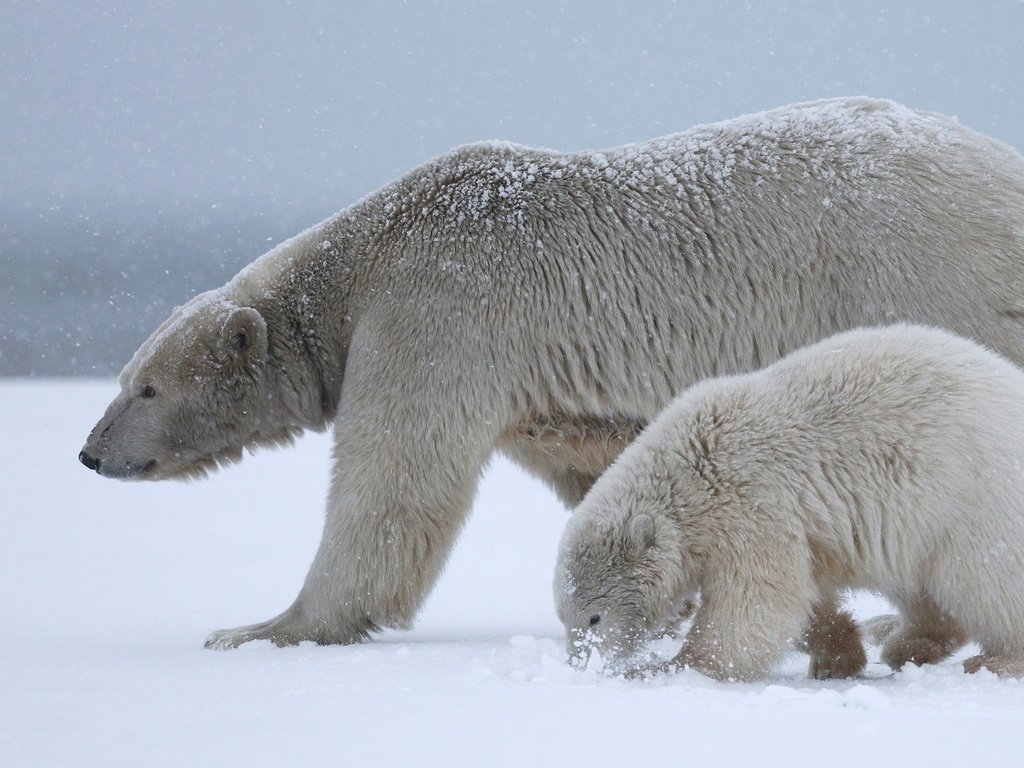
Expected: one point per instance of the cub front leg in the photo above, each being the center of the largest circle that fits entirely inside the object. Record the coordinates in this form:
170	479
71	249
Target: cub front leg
755	601
406	470
833	641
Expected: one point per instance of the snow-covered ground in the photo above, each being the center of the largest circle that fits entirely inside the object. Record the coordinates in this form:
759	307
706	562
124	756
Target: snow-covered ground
108	589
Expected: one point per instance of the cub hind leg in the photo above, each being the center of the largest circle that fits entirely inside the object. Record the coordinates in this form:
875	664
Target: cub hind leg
1004	665
926	634
988	598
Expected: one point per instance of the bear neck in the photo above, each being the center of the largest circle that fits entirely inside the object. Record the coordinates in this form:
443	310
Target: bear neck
303	288
313	362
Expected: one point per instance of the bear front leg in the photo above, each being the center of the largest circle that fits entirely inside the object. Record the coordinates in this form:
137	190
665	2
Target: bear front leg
285	629
755	601
406	471
834	643
726	649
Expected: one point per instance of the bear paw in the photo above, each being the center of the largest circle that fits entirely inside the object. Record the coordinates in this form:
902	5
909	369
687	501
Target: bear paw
648	672
284	630
849	662
226	639
836	649
1004	666
919	650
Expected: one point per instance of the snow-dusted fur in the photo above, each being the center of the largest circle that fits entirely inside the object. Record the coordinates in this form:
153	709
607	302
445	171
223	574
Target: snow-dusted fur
887	459
549	305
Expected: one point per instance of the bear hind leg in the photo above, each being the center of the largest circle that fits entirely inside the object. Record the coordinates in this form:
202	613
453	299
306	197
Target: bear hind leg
926	634
1002	664
569	453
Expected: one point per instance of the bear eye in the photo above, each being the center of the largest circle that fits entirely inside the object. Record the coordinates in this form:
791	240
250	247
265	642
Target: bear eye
148	392
595	619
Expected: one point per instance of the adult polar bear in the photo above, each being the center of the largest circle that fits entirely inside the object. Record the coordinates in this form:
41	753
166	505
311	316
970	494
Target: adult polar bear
549	305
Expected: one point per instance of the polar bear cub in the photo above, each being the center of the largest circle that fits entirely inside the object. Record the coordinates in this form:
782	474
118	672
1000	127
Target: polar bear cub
888	459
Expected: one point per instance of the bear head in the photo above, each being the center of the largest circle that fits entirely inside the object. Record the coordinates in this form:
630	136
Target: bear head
616	583
197	392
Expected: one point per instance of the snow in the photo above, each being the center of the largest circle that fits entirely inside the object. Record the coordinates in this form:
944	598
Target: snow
110	588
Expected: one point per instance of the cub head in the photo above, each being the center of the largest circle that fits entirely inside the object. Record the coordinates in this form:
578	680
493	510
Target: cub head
197	391
618	580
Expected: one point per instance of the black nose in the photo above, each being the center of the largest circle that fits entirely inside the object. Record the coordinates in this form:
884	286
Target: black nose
89	461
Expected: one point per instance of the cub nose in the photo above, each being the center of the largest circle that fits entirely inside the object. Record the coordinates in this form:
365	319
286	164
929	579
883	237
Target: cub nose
89	461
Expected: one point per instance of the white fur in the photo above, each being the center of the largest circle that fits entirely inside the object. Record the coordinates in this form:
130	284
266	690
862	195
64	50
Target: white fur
886	459
549	305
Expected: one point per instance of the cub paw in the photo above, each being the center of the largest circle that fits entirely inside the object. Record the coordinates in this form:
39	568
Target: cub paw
919	650
849	663
836	649
1004	666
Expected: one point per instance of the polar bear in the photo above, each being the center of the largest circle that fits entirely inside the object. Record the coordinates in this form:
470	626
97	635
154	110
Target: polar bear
888	459
548	306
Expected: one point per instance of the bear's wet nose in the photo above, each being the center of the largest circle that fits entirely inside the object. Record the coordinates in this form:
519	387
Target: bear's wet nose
89	461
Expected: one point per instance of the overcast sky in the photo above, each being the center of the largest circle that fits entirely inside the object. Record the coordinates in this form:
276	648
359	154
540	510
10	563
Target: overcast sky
142	115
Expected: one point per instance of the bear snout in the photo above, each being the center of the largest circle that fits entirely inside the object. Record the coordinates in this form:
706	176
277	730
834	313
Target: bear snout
89	461
117	470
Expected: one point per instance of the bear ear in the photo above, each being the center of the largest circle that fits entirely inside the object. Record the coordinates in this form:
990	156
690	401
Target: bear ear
640	534
245	335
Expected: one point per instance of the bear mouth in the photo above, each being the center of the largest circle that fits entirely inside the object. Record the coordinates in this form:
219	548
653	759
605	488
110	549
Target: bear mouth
131	470
140	471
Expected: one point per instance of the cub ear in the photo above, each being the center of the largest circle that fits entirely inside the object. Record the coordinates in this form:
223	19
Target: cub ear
640	534
245	335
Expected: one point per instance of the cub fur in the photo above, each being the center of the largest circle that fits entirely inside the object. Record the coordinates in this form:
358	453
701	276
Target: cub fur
886	459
